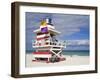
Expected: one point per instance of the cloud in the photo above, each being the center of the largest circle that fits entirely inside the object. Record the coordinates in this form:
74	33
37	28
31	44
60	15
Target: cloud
77	42
77	45
70	24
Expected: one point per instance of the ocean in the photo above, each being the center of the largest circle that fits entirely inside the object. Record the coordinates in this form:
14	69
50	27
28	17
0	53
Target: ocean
69	52
76	52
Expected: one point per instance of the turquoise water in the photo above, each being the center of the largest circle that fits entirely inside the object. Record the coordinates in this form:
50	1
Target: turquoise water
71	53
79	53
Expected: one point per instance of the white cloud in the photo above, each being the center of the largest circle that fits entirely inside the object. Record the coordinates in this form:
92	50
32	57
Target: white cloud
69	24
77	42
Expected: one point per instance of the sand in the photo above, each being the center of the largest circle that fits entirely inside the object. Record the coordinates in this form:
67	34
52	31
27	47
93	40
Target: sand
70	60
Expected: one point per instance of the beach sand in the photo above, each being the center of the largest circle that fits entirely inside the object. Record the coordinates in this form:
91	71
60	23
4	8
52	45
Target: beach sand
70	60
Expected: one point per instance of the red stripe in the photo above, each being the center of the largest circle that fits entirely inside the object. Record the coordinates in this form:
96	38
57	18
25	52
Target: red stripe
42	38
42	33
41	52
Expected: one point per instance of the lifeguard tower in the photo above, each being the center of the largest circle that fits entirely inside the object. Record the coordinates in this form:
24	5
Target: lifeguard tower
48	48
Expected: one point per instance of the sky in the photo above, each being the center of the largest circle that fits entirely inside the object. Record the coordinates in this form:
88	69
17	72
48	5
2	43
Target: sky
74	28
